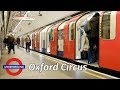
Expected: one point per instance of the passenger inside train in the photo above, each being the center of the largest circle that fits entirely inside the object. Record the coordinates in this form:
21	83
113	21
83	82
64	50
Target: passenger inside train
92	30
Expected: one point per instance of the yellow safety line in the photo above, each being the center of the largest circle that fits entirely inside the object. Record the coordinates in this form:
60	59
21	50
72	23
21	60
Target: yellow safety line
53	60
94	75
84	71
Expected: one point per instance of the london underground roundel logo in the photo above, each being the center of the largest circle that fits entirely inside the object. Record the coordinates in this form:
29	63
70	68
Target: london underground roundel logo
7	66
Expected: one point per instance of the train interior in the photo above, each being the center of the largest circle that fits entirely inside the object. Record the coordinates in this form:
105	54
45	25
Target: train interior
89	48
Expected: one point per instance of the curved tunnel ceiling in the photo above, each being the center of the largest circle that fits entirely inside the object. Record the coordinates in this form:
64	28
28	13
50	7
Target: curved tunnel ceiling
41	18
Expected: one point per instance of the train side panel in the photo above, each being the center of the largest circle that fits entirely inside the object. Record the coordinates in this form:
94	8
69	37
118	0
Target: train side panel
69	38
66	40
109	56
33	41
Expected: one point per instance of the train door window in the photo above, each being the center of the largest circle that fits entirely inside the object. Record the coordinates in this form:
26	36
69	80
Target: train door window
51	34
60	34
105	27
72	31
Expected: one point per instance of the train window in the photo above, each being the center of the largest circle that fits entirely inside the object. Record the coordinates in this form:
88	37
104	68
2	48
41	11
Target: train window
60	34
72	31
105	26
51	34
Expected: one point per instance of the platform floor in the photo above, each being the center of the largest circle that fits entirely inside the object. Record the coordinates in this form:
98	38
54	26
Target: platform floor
34	57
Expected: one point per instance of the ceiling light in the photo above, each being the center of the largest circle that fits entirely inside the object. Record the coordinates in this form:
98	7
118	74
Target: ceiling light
40	14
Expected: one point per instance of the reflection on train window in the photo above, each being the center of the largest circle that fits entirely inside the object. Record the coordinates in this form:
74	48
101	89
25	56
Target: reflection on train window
105	26
51	34
60	34
72	31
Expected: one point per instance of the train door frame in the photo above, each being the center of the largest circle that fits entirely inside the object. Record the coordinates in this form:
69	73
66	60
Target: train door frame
54	39
60	38
42	38
78	37
31	40
71	39
48	37
78	42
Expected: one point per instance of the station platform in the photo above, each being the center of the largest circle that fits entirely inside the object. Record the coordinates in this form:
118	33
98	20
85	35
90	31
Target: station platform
37	58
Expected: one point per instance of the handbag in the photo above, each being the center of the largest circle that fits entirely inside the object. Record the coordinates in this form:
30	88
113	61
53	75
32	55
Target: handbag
84	55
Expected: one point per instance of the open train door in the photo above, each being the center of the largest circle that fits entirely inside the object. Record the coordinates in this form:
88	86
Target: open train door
110	40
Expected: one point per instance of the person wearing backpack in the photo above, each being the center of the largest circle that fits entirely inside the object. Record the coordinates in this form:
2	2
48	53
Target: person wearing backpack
11	44
28	43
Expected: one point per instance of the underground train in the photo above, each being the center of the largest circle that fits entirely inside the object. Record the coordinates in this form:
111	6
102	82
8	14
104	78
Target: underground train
63	39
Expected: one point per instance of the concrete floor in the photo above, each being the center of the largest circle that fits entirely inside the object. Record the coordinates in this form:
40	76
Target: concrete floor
28	58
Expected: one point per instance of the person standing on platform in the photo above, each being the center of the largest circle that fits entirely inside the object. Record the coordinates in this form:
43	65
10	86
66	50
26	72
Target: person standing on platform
5	42
11	43
18	42
28	43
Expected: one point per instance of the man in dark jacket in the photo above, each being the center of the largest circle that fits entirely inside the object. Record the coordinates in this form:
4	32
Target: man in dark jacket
11	42
92	31
28	43
18	42
5	41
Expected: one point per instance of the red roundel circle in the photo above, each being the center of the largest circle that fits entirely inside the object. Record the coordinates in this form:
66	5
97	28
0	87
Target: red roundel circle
15	73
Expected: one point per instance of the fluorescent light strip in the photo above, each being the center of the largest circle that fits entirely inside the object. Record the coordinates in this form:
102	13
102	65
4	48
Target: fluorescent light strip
21	21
